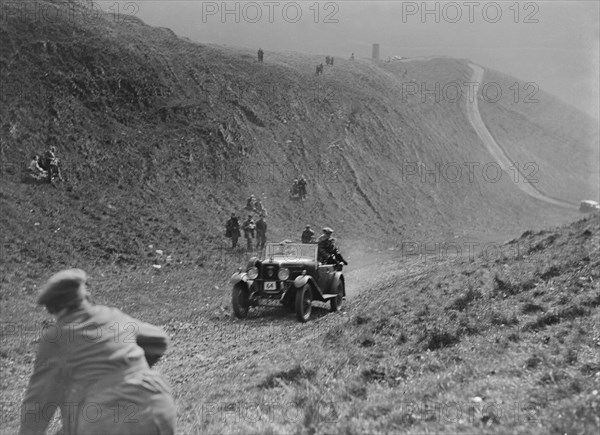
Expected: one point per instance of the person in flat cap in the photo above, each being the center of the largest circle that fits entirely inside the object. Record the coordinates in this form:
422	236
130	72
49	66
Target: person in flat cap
93	363
308	235
327	251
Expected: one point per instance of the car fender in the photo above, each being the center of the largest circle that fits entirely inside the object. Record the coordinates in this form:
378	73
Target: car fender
301	280
251	262
239	277
337	278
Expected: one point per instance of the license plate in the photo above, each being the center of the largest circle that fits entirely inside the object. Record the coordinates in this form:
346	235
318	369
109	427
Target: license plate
270	285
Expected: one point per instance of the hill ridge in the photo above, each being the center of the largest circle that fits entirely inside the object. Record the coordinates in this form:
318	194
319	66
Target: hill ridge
171	132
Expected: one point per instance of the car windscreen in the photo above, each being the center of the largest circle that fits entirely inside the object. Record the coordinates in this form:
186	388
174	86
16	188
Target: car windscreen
291	251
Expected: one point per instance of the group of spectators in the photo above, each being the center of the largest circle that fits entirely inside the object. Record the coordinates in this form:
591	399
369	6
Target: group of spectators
298	189
252	230
44	167
255	205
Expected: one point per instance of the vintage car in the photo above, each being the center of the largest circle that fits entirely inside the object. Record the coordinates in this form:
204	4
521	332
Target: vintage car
589	206
288	273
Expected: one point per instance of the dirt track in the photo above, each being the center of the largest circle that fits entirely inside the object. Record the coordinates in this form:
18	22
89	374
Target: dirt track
496	150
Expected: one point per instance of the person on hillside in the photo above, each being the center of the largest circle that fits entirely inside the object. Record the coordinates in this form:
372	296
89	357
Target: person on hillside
331	61
352	56
49	163
294	190
251	203
95	367
248	226
327	251
232	230
261	233
261	54
259	208
326	60
35	170
308	235
302	188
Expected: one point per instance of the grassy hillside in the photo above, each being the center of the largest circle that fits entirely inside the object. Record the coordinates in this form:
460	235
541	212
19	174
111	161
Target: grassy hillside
495	343
560	140
162	138
509	346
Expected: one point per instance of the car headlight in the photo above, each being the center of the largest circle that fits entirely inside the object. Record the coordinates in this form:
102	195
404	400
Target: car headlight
252	273
283	274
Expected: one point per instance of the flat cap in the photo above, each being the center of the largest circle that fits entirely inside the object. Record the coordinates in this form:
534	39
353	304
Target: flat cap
63	287
327	230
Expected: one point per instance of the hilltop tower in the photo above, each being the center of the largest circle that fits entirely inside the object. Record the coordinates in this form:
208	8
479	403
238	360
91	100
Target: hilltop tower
375	55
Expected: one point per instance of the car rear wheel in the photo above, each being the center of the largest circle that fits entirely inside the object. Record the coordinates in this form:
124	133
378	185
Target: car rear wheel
303	303
337	302
240	302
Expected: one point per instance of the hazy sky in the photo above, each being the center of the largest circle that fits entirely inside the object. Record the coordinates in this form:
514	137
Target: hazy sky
553	43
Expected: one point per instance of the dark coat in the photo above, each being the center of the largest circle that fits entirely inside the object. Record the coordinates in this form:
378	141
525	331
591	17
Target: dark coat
261	227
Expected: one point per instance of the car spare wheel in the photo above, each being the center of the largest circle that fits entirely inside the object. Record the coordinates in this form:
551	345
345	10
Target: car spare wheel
303	303
239	300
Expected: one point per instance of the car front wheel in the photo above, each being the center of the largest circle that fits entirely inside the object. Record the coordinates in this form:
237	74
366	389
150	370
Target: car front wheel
240	302
337	302
303	303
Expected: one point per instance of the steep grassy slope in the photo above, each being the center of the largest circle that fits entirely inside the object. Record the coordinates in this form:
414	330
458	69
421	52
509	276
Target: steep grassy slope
559	140
500	343
162	138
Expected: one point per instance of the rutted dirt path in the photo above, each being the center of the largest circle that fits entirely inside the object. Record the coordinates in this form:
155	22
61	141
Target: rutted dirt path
497	151
218	349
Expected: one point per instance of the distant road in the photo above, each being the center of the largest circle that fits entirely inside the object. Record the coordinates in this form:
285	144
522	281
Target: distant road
497	151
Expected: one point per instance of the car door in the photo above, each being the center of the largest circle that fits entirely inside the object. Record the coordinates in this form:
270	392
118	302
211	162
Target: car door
325	276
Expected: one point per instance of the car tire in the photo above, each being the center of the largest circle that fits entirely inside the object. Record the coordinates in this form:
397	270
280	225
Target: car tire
240	301
303	303
337	302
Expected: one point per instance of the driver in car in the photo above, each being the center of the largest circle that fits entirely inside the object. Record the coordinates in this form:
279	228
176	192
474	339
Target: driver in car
328	252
